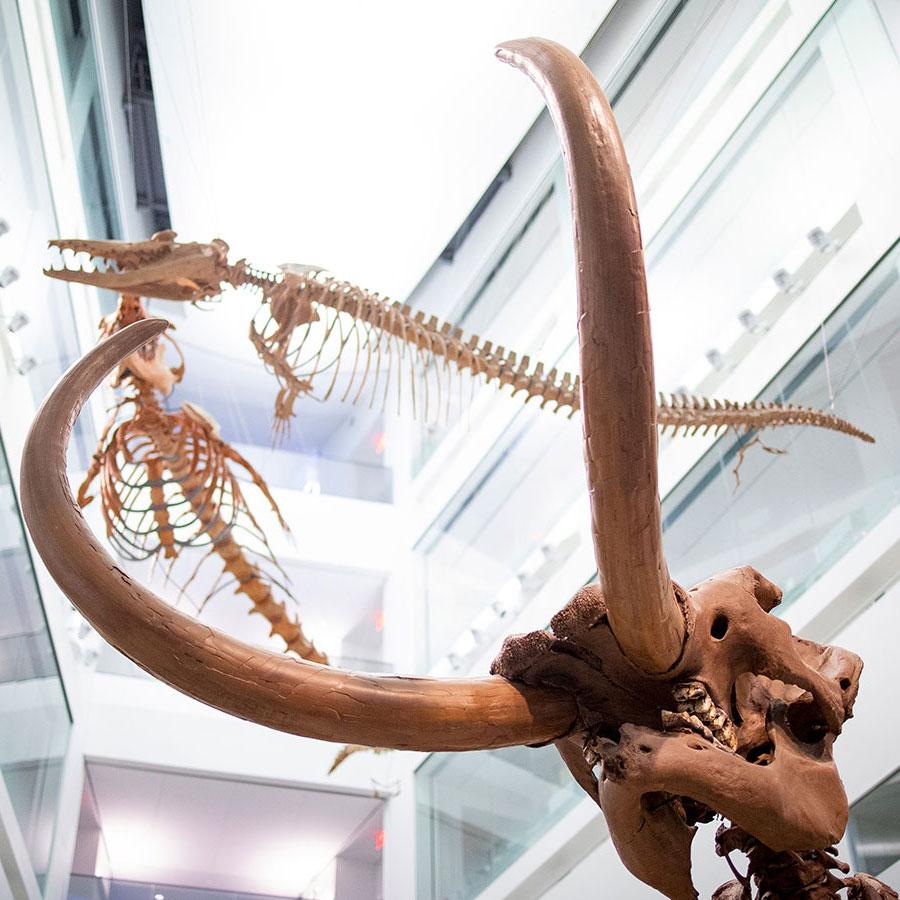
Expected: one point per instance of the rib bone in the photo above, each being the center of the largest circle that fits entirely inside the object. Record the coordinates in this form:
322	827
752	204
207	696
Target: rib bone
268	688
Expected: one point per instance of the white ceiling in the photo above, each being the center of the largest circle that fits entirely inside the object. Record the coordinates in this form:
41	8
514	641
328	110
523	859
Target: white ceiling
352	135
176	829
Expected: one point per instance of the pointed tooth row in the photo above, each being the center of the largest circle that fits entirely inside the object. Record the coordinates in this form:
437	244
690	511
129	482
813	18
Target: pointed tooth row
66	259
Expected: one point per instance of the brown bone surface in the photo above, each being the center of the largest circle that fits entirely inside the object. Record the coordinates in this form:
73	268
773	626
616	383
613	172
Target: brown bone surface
383	344
693	703
657	768
167	482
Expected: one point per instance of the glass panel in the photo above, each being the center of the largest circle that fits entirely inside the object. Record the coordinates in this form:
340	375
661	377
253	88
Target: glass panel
71	21
314	458
70	18
37	310
691	52
768	219
794	515
874	831
93	172
34	715
513	523
478	812
512	291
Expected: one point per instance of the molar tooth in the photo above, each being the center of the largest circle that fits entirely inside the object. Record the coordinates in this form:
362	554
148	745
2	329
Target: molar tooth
700	728
674	721
728	736
688	691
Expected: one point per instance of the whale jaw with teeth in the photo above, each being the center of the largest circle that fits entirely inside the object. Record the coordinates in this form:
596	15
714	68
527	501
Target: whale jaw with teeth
159	268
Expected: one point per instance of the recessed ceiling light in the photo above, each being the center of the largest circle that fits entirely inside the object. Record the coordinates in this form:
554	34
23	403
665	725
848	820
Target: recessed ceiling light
159	897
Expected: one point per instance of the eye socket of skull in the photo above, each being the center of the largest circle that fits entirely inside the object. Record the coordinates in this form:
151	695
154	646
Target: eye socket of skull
733	632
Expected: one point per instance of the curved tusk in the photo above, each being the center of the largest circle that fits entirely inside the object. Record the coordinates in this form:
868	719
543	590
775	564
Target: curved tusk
271	689
618	396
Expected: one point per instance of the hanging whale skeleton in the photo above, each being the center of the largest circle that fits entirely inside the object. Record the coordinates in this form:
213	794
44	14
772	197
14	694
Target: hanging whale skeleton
669	706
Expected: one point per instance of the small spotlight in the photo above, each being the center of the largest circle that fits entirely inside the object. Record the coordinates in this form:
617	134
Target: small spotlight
159	897
17	321
821	241
749	321
8	276
25	365
784	281
4	227
715	359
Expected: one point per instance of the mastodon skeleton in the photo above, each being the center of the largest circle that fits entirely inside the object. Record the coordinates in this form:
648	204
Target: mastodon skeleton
627	666
167	482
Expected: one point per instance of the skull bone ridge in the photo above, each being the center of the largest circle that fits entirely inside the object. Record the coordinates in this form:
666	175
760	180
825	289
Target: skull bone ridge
747	713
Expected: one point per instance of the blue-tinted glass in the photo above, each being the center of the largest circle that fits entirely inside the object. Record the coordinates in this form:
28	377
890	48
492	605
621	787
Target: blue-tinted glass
34	715
794	515
478	812
874	831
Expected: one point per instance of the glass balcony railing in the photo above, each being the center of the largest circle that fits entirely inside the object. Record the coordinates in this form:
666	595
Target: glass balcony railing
316	474
721	274
478	812
792	515
764	222
874	831
34	715
514	295
795	513
332	448
36	313
78	64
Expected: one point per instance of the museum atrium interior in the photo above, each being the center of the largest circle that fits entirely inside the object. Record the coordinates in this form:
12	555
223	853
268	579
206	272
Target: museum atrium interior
383	143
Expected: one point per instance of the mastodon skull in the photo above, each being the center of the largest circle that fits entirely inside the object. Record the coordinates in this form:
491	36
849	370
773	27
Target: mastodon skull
748	713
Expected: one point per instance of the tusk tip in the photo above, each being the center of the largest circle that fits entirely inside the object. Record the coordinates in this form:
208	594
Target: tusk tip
521	51
510	52
131	338
150	327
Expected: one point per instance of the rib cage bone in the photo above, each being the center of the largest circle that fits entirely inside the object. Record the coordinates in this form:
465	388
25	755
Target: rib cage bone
178	463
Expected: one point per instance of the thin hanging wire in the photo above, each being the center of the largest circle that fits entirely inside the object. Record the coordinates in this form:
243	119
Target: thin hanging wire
827	367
